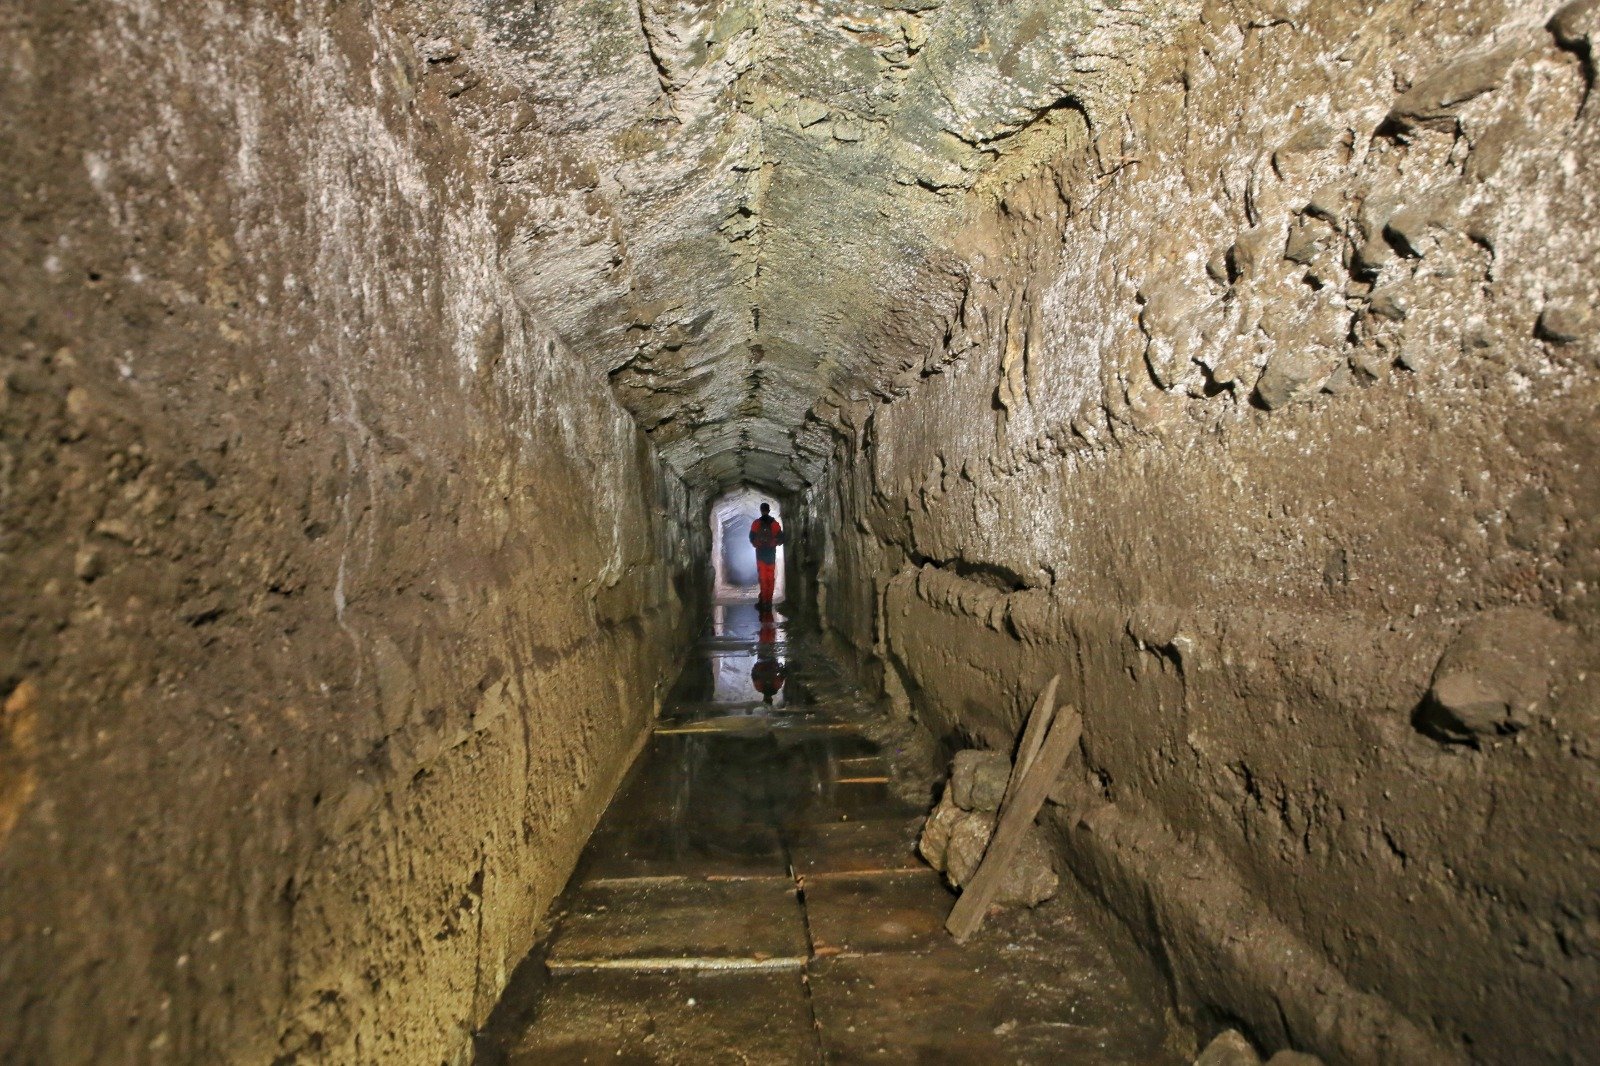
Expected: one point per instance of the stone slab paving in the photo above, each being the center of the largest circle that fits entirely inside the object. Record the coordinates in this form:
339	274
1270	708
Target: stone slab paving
753	896
671	1018
879	846
686	923
683	851
859	913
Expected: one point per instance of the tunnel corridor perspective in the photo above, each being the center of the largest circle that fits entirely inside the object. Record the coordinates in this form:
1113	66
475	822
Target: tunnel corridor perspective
382	382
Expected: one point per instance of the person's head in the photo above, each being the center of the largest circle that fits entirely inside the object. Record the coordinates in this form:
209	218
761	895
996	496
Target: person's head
766	510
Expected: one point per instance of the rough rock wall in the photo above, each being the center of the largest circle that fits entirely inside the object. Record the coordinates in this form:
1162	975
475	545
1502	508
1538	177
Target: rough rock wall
1268	419
758	195
334	587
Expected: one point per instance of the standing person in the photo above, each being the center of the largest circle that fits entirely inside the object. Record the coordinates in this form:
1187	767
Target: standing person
766	534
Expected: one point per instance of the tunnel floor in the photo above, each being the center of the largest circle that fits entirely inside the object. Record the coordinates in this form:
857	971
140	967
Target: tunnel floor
752	895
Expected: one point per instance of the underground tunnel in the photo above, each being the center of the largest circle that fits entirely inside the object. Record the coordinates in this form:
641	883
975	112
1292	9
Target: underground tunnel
1181	416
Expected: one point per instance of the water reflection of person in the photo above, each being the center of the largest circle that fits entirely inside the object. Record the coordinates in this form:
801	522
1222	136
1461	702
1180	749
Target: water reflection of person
767	675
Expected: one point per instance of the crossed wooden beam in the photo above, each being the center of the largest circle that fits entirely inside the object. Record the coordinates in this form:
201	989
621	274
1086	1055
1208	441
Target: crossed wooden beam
1048	741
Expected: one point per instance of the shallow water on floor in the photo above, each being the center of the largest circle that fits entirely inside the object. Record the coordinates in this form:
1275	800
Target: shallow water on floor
753	895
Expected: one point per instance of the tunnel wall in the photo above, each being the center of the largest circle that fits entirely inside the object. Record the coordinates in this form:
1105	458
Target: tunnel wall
1267	419
335	587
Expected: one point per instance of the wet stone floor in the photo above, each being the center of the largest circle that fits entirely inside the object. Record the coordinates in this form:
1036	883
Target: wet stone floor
752	895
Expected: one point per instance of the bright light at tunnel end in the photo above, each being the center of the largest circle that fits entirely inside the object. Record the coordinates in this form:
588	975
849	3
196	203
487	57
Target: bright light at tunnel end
733	559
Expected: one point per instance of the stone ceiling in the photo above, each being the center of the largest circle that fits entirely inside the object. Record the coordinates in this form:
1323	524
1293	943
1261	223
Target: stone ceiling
749	206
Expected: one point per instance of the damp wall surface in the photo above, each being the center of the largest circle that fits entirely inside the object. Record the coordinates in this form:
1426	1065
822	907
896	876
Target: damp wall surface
335	588
1267	418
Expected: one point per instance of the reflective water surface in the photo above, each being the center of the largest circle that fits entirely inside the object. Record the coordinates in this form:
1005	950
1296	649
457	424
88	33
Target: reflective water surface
753	895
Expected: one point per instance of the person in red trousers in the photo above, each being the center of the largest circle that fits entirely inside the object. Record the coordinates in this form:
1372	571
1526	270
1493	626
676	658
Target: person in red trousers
766	534
767	675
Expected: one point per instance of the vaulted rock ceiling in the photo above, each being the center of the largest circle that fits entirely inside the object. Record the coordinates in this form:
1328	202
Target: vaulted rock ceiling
750	217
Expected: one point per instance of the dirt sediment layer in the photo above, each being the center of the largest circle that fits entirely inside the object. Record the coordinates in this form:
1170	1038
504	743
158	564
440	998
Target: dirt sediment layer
1268	420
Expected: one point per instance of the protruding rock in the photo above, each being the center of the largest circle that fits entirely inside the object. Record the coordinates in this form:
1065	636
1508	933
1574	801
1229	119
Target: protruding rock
1293	376
1150	409
1389	305
439	50
1565	322
1433	100
1576	24
934	844
1327	203
1302	245
1229	1049
1254	247
89	563
1408	230
1030	879
848	132
810	112
1472	704
969	839
1170	307
1305	149
1372	255
978	779
1217	268
1154	625
1495	677
953	840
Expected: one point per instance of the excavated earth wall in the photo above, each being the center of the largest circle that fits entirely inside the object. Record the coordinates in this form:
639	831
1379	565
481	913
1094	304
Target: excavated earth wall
1267	418
335	587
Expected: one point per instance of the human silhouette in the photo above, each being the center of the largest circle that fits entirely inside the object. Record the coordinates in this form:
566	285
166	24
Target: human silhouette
766	533
768	674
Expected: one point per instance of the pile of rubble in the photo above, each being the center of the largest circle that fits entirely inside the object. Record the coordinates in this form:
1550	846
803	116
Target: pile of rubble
957	833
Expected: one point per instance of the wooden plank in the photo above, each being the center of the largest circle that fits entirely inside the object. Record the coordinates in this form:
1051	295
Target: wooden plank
1034	731
968	913
1033	734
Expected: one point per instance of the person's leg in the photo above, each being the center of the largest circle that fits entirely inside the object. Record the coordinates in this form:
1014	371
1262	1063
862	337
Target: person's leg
768	573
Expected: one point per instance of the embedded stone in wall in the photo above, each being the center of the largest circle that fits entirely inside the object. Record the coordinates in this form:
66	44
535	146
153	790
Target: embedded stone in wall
1495	676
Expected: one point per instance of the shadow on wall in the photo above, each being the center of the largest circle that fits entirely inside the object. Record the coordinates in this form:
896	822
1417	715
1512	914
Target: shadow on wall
733	559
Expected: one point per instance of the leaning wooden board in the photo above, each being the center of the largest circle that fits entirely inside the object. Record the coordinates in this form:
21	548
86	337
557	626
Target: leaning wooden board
1018	814
1033	734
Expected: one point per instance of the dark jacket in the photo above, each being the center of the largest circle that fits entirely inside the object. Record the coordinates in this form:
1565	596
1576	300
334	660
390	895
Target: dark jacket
766	534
